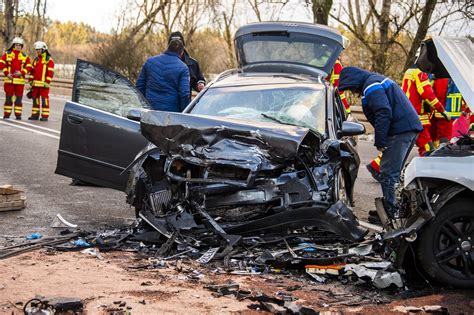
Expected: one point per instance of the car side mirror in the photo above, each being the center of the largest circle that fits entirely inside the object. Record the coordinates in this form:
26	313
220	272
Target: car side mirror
134	114
350	128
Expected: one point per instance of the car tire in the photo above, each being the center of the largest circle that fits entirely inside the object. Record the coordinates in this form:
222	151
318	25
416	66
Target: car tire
446	245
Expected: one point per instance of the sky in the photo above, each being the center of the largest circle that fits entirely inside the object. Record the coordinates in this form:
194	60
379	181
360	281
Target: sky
100	14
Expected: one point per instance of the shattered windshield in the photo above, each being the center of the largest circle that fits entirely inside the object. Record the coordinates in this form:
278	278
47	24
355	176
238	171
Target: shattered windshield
286	104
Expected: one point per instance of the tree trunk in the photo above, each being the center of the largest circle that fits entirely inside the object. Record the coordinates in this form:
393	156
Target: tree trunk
379	63
321	9
421	31
9	27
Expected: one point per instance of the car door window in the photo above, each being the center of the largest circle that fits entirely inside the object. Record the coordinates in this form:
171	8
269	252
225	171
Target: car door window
339	110
104	89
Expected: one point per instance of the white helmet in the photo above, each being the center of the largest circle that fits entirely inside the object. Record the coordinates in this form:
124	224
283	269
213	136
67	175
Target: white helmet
40	45
18	40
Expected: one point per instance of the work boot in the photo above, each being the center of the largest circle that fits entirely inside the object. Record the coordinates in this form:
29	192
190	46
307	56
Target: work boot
373	172
18	118
6	117
33	118
44	119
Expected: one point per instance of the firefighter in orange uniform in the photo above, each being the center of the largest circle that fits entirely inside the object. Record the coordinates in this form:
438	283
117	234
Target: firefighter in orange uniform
334	79
42	74
448	93
15	64
417	87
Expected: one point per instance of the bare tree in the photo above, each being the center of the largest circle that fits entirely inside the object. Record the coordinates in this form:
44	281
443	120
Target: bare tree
227	19
383	25
10	17
424	24
321	9
378	25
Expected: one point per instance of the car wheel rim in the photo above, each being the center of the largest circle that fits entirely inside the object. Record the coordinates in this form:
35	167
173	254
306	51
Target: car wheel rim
454	247
341	188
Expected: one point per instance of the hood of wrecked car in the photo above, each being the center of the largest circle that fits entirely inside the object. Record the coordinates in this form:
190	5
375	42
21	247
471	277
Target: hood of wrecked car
450	57
226	140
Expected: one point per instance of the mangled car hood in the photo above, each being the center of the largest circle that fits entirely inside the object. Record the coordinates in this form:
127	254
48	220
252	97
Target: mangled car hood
205	139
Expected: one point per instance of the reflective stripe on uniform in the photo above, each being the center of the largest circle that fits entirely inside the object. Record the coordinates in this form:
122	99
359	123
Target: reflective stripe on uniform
385	84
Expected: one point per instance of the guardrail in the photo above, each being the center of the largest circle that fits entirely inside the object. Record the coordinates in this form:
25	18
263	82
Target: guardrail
62	83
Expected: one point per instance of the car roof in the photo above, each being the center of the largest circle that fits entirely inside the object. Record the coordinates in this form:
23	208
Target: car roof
299	27
262	78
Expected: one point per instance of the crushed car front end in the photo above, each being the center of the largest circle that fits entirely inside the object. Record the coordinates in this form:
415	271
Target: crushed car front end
247	180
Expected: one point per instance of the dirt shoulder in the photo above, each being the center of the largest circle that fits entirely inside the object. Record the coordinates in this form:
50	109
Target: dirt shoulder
109	285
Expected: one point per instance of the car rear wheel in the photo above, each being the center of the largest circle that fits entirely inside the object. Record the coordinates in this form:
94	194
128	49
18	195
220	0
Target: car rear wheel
446	248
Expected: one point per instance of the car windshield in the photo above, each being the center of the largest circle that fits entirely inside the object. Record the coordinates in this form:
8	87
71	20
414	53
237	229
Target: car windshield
285	104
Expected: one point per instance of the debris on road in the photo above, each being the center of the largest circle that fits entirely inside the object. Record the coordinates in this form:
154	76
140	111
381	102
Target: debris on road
431	309
32	245
53	305
60	222
33	236
11	198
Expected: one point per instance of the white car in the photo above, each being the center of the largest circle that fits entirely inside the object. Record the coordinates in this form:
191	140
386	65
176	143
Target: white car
437	194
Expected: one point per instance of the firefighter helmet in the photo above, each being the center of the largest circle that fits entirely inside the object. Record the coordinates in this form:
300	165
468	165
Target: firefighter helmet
40	45
18	40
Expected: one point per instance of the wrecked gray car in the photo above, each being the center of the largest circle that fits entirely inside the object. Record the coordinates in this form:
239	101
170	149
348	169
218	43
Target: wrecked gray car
263	148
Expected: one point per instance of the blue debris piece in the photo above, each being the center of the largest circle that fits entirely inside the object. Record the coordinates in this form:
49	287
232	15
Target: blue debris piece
34	236
81	243
308	249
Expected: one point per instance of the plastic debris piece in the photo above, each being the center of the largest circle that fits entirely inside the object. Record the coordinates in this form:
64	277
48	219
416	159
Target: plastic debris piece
34	236
335	269
308	247
208	255
361	250
94	252
316	277
381	279
81	243
60	222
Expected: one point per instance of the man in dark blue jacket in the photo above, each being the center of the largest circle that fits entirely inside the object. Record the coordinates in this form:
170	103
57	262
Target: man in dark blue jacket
197	79
395	122
164	79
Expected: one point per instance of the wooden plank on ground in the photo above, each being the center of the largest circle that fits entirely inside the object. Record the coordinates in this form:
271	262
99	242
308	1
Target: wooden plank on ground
8	190
11	198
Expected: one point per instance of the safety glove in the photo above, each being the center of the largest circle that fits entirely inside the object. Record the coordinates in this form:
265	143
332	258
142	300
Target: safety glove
446	116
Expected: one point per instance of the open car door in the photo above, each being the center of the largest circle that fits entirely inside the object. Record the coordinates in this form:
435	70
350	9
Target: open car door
97	140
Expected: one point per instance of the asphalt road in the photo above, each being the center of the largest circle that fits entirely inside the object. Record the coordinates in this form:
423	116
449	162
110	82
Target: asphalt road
28	153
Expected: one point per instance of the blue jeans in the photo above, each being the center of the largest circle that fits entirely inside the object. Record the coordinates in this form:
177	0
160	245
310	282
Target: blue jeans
394	158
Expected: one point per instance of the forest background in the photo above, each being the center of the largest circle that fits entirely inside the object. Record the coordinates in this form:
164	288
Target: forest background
383	34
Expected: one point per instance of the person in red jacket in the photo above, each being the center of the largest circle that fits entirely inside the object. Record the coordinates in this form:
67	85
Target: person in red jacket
334	79
42	74
15	64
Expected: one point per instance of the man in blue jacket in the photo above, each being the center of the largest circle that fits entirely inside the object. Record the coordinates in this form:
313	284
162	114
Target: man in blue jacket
164	79
395	122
